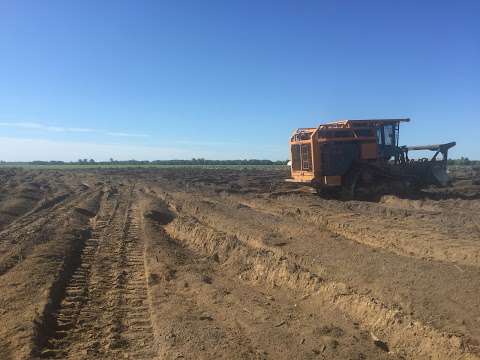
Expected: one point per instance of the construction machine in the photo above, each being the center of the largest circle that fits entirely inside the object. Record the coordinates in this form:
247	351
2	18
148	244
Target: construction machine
356	158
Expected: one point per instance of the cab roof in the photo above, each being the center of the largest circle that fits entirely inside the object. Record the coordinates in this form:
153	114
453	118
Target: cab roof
368	122
351	123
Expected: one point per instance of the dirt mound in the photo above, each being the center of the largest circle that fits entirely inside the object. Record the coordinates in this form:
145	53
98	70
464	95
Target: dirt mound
21	199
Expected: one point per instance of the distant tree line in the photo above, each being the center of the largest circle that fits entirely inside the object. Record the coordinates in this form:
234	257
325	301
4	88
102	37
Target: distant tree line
194	161
463	161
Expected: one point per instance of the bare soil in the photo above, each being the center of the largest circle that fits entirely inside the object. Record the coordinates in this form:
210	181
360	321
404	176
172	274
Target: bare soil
233	264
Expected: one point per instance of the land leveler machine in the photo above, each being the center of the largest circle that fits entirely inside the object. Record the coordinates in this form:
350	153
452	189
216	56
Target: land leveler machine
363	157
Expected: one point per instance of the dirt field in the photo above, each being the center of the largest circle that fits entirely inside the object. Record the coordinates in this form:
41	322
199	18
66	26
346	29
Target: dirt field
229	264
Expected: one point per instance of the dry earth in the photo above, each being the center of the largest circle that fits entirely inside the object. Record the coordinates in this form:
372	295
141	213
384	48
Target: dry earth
207	264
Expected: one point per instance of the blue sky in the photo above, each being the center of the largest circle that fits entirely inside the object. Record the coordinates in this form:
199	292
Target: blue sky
230	79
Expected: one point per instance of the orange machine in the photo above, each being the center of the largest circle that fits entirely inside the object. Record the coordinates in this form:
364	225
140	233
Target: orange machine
348	153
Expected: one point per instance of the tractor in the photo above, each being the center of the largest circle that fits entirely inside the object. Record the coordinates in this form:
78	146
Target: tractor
362	158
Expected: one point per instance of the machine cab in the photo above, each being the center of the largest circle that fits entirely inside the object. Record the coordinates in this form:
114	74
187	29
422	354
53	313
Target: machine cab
387	139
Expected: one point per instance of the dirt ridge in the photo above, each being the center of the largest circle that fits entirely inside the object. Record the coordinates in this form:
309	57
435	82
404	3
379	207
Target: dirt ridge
405	334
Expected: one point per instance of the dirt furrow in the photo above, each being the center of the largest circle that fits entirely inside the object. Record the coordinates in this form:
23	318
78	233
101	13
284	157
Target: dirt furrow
403	235
19	238
400	329
203	304
43	211
429	291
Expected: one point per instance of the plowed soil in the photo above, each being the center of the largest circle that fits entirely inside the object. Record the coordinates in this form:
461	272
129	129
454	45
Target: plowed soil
233	264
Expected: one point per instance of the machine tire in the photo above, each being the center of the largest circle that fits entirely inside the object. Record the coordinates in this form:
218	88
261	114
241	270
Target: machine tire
350	185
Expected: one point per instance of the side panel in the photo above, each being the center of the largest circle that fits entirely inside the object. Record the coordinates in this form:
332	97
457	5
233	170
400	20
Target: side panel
368	151
337	157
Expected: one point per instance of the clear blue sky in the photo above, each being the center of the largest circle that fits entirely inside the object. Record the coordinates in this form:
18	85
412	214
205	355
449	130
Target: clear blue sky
230	79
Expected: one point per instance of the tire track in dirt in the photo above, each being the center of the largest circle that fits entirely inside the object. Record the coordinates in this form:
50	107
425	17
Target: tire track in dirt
132	331
70	294
102	312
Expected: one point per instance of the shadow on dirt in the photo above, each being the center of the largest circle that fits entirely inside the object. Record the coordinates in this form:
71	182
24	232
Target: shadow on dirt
424	195
436	195
161	215
419	195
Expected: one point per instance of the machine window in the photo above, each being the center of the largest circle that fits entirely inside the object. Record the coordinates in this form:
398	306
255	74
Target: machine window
389	135
379	136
